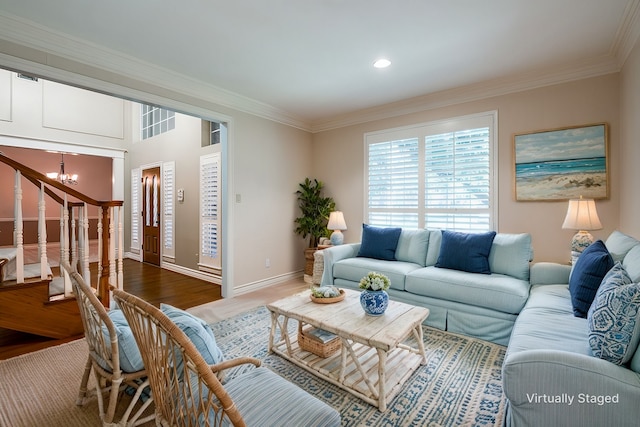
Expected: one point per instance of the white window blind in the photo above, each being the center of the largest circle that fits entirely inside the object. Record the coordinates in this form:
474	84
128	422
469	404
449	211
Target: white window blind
210	184
135	210
433	175
168	186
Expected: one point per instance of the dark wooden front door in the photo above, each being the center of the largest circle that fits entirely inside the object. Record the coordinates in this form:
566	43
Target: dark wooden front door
151	215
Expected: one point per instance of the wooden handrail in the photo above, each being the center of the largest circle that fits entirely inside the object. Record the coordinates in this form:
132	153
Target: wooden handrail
29	173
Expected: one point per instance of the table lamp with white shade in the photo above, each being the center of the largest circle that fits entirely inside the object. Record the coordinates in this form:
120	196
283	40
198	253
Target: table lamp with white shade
337	224
582	216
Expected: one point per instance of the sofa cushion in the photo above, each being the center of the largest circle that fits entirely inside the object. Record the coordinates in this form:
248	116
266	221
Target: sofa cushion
614	317
511	254
619	244
465	251
433	252
496	291
586	276
129	354
631	263
412	246
547	322
354	269
198	332
379	243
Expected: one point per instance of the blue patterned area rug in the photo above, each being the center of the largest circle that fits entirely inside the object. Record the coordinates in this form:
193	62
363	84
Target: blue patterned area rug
461	384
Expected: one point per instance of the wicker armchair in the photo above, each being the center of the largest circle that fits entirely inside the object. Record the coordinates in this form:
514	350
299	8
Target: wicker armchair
104	360
187	391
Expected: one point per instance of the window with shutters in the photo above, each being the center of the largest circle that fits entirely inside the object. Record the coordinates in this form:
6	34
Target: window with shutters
434	175
168	202
210	185
135	210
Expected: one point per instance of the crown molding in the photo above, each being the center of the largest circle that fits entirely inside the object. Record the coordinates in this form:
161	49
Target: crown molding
43	48
628	33
474	92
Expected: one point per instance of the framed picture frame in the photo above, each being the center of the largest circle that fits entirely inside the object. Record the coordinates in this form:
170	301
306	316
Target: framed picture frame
562	164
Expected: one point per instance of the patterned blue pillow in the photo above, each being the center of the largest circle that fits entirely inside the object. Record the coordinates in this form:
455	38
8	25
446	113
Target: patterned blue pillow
614	317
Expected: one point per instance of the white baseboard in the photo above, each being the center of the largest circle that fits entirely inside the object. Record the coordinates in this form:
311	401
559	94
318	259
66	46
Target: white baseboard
261	284
238	290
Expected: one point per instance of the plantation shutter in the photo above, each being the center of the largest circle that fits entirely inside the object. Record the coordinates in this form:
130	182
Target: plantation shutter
135	210
210	174
393	185
168	189
457	180
435	175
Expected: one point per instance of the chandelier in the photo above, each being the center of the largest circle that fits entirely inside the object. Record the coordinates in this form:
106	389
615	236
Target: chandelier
62	176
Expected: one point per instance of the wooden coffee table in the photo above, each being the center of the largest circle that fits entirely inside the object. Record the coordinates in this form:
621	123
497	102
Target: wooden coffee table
375	360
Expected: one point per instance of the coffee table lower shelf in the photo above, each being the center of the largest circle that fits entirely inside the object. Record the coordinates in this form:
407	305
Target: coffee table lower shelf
358	368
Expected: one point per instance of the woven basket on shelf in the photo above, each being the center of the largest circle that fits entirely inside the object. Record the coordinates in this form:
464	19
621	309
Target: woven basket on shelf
316	347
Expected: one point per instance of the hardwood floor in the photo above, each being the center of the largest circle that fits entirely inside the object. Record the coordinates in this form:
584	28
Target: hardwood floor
157	285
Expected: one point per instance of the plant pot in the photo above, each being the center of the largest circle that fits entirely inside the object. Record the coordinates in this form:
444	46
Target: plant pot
374	303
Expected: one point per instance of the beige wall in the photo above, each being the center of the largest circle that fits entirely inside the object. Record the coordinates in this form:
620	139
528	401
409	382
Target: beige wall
339	157
269	160
630	143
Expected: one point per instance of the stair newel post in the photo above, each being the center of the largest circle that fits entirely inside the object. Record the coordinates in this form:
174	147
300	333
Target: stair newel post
103	285
18	227
86	274
112	248
120	247
42	235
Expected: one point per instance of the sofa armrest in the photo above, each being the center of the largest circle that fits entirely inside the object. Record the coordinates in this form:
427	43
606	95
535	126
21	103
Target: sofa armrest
549	273
333	254
549	387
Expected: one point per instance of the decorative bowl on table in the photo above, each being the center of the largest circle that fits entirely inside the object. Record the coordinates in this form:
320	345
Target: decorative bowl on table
326	294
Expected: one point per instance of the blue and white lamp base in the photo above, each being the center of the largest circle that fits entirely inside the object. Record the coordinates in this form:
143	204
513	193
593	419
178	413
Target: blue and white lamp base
337	238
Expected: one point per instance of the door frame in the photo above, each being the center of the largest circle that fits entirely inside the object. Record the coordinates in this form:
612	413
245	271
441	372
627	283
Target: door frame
142	168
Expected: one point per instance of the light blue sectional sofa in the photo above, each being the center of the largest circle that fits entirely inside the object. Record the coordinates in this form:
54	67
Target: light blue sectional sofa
551	376
481	305
558	369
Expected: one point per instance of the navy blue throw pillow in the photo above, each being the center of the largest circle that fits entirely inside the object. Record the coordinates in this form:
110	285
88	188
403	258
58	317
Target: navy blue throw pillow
466	251
587	274
379	243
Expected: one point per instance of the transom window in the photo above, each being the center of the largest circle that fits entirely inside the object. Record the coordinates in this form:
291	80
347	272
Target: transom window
156	120
433	175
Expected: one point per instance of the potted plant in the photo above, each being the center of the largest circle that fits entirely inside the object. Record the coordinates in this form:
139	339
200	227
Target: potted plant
315	210
374	298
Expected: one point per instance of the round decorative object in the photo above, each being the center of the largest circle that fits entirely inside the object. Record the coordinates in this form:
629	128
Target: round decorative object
374	303
330	300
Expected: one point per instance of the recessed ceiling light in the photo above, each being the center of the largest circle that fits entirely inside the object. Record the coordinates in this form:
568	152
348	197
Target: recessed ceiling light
382	63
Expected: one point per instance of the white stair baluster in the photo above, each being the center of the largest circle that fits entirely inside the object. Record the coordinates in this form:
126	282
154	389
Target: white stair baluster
18	229
42	235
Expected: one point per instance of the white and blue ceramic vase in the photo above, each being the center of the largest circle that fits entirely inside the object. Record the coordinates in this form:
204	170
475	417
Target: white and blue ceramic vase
374	303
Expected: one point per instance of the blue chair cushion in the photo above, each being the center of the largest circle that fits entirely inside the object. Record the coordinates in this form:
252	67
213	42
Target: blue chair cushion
614	317
130	357
379	243
588	272
466	251
198	332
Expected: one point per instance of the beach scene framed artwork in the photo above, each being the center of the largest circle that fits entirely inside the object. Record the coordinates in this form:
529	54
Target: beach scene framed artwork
562	164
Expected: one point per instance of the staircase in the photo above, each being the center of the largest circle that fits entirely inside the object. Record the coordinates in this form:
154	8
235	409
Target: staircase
32	298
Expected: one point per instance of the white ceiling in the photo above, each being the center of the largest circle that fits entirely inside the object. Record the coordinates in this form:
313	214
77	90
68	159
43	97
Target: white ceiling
312	59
